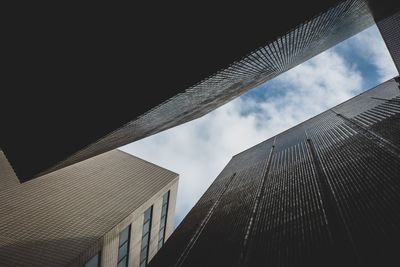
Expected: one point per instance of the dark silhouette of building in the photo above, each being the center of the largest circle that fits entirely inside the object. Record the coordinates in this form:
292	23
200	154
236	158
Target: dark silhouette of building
72	78
323	193
111	210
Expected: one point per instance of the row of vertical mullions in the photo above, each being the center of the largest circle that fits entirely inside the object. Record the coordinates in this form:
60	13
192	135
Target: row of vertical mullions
260	191
360	169
199	230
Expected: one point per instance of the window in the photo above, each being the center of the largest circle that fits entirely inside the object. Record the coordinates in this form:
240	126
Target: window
144	253
163	221
94	261
123	250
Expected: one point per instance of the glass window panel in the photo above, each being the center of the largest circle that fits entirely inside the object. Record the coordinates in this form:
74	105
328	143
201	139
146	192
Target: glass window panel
143	264
143	254
147	214
145	241
123	263
123	236
162	222
93	262
146	227
165	197
164	210
123	251
145	235
160	244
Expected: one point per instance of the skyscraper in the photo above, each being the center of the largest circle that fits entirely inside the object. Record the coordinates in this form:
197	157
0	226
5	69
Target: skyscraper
185	66
390	31
111	210
323	193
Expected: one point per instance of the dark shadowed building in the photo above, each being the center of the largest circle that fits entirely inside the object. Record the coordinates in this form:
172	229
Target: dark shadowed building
78	75
323	193
111	210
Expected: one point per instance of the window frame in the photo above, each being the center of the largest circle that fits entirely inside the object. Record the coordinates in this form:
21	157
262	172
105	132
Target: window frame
163	219
143	259
120	245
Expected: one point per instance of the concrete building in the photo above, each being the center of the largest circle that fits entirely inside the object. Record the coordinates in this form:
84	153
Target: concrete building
111	210
7	174
323	193
109	88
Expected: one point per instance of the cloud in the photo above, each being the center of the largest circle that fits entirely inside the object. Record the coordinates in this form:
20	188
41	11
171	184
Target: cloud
200	149
309	89
370	46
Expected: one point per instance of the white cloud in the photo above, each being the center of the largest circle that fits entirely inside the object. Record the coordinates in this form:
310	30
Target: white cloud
309	89
199	150
369	45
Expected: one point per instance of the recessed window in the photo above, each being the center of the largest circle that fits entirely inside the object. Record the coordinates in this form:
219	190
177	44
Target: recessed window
144	252
123	250
163	221
94	261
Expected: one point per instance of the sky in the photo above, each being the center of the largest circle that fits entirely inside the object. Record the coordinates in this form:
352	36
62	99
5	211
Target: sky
200	149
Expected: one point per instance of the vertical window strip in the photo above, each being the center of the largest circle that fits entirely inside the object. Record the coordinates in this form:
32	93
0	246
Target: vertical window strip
163	220
123	249
144	253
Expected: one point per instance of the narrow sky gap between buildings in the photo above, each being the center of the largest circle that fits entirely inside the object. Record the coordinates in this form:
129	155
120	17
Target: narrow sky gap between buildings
198	150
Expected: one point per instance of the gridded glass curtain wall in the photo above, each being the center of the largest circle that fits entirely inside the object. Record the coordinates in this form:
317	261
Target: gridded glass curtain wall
144	253
123	250
163	221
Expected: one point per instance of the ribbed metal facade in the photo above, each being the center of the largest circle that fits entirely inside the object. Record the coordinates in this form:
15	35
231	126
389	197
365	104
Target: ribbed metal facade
66	217
323	193
390	31
275	55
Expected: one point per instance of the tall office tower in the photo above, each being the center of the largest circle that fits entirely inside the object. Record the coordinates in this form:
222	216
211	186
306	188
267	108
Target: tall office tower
111	210
185	61
390	31
323	193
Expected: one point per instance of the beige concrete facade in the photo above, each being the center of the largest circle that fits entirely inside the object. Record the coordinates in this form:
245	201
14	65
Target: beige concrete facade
7	175
109	252
66	217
